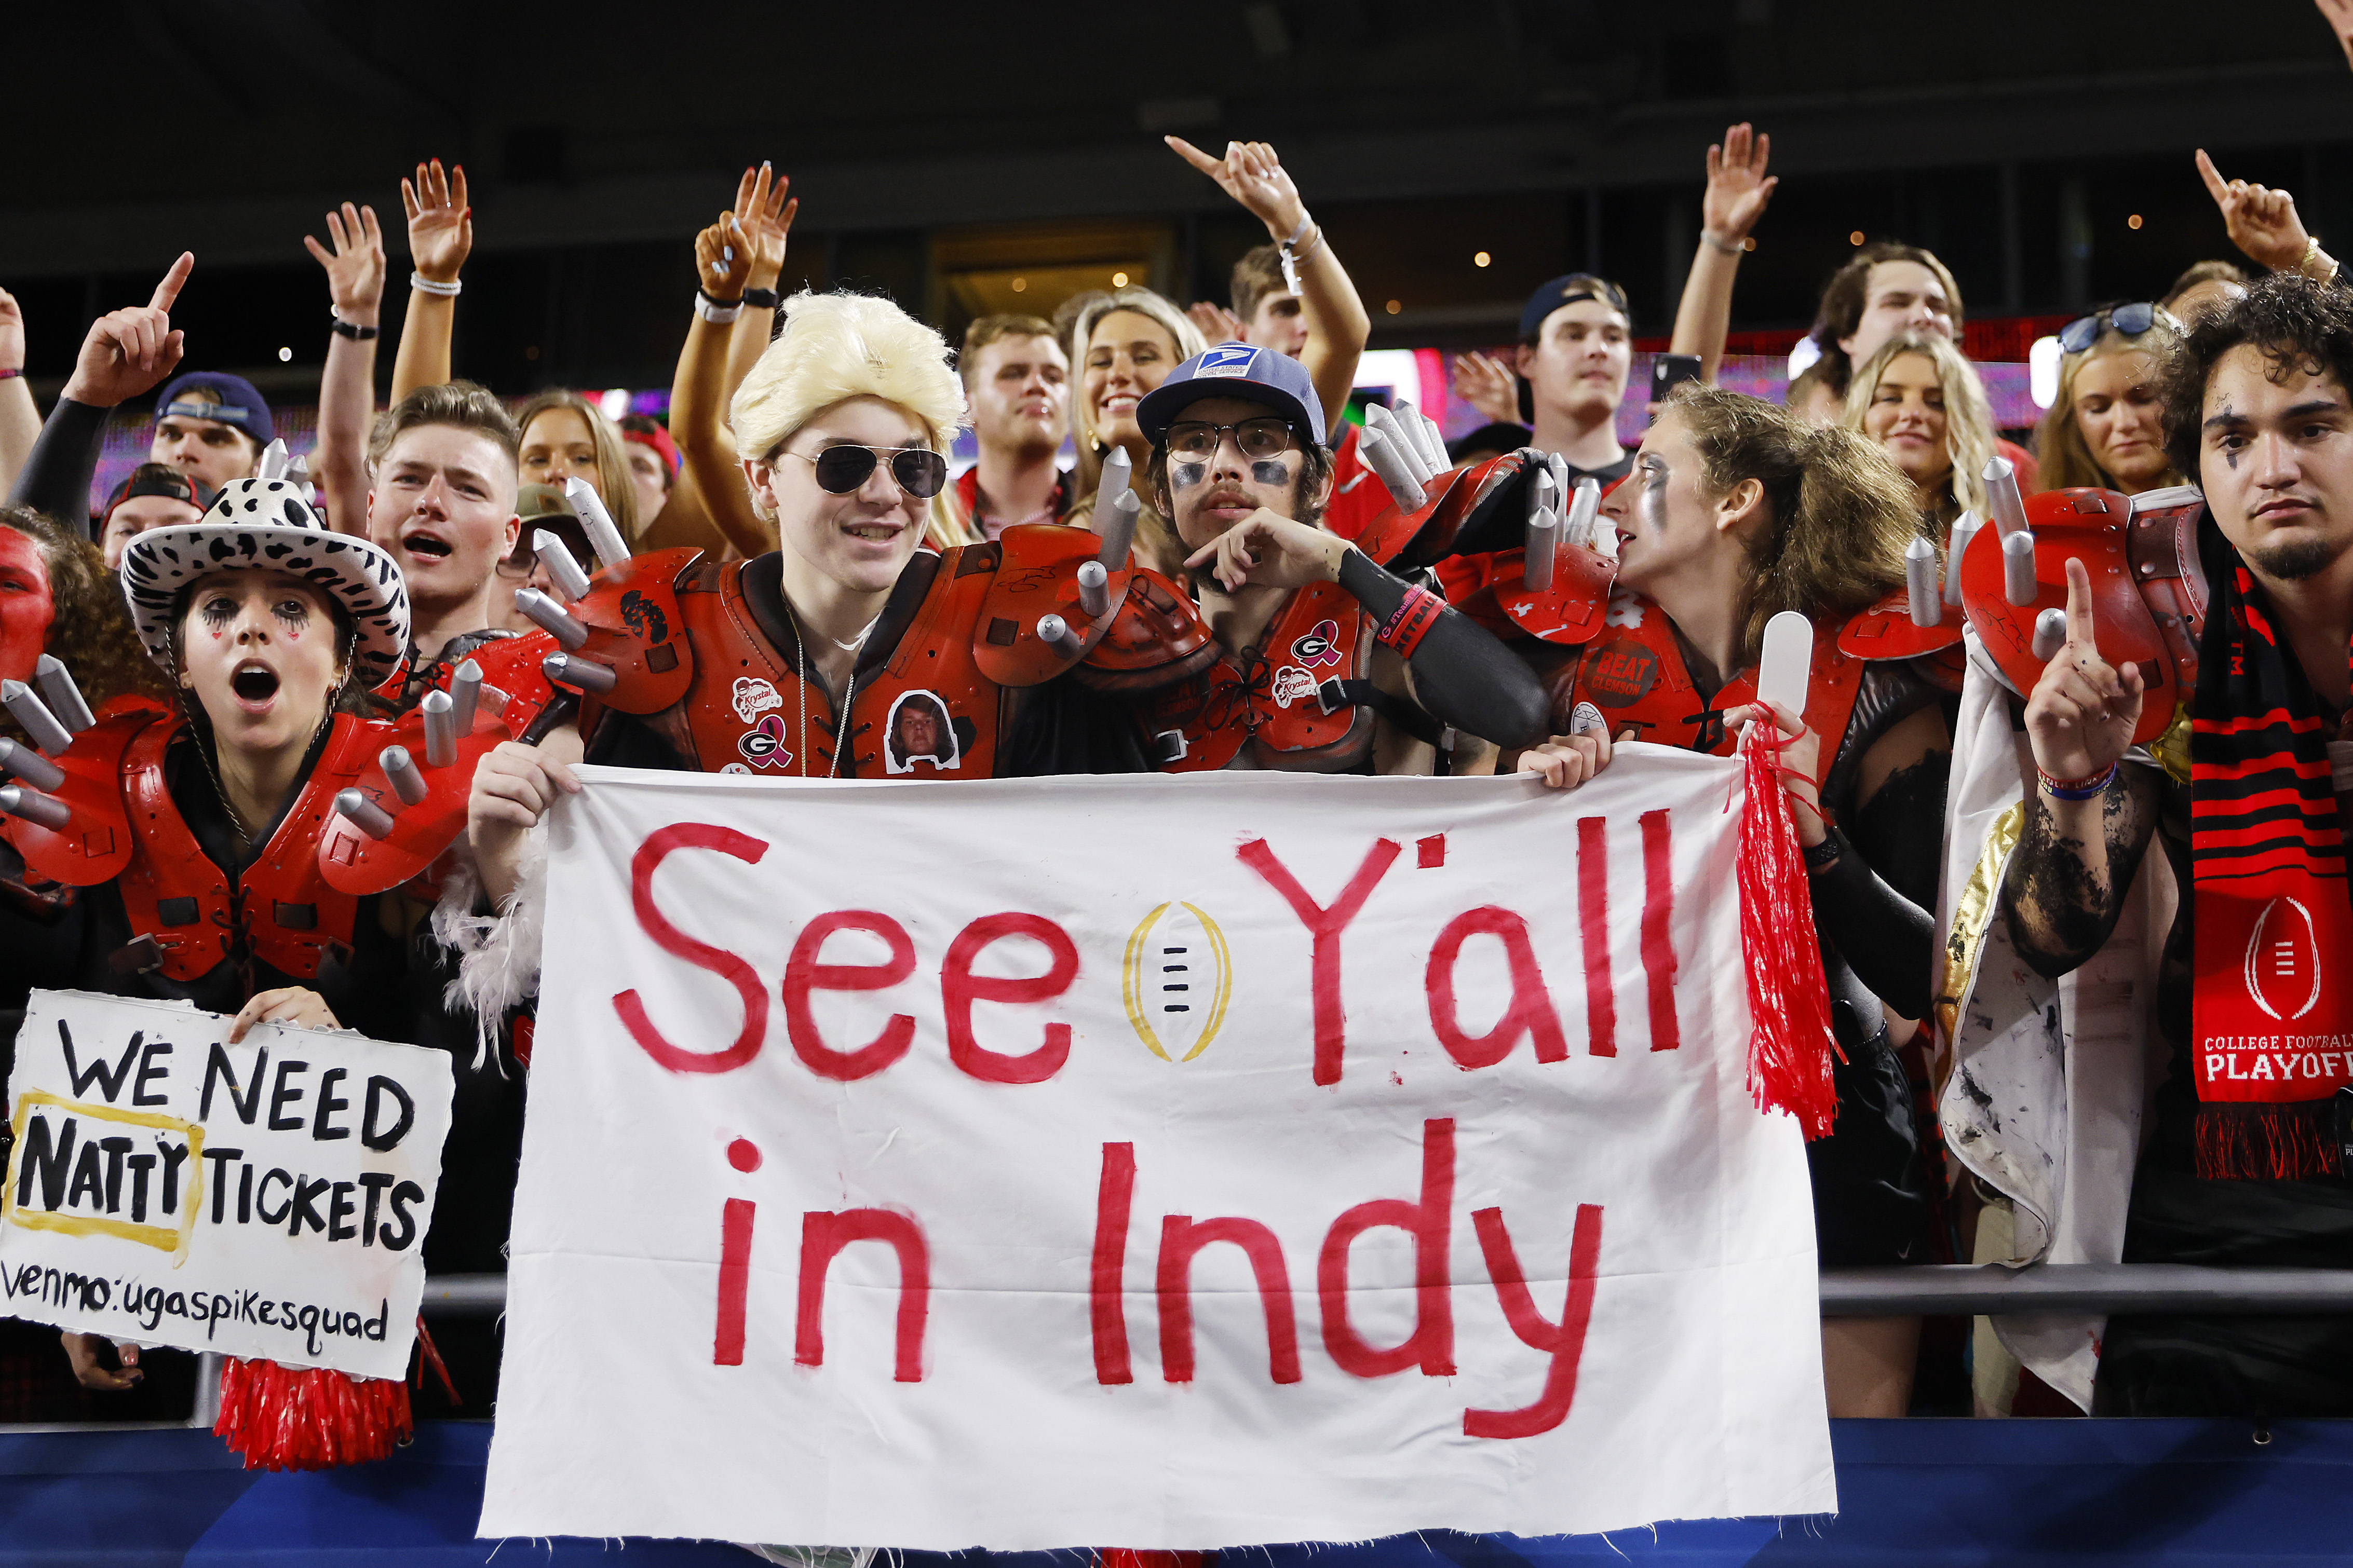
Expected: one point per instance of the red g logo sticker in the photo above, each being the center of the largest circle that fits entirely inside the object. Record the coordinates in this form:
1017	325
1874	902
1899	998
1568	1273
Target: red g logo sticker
1620	673
763	744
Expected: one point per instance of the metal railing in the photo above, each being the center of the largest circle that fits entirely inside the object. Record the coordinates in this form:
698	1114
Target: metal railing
1928	1291
1967	1289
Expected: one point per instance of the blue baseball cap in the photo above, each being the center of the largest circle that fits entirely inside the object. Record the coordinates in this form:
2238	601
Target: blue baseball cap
1234	369
240	407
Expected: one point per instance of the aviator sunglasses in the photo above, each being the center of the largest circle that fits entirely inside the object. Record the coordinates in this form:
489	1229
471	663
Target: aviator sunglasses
2131	320
842	470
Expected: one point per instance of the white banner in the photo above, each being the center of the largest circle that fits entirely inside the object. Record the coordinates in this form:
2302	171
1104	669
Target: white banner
1151	1162
265	1199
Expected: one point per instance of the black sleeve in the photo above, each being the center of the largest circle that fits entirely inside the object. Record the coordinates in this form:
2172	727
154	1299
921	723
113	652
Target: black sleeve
1886	939
57	477
1462	673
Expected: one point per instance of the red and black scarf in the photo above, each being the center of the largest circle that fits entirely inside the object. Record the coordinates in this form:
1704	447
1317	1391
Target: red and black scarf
2272	1021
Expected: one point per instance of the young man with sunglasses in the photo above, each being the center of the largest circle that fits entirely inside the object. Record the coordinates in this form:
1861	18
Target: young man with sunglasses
1327	662
791	663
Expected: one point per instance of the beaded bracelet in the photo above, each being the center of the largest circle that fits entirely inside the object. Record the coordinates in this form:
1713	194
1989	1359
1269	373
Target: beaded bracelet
423	285
2086	788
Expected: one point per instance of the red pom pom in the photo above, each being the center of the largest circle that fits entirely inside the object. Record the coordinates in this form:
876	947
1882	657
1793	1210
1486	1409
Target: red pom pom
1790	1042
281	1418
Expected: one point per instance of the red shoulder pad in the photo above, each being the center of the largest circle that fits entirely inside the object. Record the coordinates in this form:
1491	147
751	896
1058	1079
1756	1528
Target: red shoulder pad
1037	575
635	627
353	863
1419	538
1571	608
2089	525
97	845
516	667
1886	630
1157	638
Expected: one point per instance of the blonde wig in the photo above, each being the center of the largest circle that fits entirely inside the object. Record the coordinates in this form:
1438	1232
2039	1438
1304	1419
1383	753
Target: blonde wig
1968	417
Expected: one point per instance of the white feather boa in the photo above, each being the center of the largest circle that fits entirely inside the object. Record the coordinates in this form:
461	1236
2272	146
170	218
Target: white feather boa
497	955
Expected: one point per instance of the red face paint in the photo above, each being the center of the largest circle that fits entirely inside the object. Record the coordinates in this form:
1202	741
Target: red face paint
25	608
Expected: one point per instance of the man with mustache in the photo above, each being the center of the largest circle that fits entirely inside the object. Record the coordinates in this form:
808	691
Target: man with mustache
1329	663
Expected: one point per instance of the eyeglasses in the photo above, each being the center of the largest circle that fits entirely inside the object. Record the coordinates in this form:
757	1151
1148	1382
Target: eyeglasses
842	470
1257	438
2131	320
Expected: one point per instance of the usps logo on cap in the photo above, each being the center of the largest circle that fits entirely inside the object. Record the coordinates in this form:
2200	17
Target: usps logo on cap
1227	358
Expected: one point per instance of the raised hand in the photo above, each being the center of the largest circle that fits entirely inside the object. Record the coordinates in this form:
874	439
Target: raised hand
722	259
2338	15
1253	175
1487	384
355	267
765	217
2081	714
1273	552
12	332
128	352
1737	187
1217	324
440	224
2262	221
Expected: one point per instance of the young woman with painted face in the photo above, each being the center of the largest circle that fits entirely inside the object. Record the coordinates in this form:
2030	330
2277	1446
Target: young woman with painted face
57	597
1125	343
1920	402
2106	426
1326	663
1735	510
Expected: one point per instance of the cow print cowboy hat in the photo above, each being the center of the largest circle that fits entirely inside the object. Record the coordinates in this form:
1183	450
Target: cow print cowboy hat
264	524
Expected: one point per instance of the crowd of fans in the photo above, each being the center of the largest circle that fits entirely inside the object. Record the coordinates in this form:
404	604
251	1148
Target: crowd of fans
1278	615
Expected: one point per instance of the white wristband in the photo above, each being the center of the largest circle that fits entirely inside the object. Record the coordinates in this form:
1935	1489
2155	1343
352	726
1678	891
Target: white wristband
1729	247
423	285
718	315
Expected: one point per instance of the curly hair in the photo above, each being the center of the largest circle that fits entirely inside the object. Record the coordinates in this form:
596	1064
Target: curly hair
1968	416
1838	511
91	635
2296	323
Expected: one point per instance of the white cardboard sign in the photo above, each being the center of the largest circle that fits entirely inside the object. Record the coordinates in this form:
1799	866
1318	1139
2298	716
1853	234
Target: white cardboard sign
266	1199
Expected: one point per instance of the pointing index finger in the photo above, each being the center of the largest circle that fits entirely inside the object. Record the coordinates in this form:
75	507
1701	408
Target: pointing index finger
2080	629
168	290
2212	176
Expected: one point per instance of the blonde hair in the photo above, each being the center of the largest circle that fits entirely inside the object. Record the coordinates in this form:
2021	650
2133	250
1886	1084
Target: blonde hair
832	348
2063	459
1182	333
1839	512
1968	417
614	486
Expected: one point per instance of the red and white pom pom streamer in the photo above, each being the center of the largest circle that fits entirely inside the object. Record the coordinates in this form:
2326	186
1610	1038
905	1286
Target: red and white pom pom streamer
310	1418
1790	1042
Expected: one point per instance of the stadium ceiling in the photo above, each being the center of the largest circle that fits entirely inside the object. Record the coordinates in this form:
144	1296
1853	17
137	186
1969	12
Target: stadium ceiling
225	125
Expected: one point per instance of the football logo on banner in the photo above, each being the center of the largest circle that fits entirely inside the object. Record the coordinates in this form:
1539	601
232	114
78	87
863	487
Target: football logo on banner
1177	980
